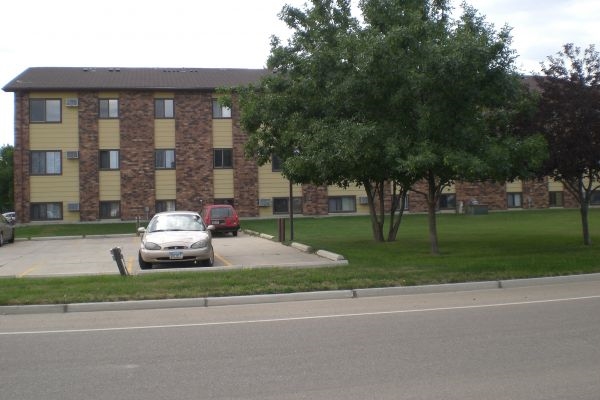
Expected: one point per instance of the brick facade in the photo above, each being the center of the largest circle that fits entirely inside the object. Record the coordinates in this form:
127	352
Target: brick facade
314	200
21	172
89	185
136	114
193	152
245	173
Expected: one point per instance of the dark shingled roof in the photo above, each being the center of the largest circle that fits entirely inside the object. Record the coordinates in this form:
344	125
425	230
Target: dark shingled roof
59	78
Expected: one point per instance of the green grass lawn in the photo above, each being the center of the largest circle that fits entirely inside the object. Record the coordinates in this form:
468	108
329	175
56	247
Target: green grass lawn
501	245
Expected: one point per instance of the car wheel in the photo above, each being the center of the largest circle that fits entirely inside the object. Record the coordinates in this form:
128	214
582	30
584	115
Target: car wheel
234	233
12	238
1	239
143	264
211	260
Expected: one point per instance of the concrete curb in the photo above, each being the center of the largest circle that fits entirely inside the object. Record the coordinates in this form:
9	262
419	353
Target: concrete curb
286	297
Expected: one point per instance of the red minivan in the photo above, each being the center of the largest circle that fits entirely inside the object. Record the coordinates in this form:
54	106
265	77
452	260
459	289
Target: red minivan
223	217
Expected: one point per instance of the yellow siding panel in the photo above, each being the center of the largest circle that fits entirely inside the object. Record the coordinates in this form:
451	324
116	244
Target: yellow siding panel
514	187
50	188
166	184
555	186
56	136
165	95
223	183
273	184
108	134
110	185
164	133
222	133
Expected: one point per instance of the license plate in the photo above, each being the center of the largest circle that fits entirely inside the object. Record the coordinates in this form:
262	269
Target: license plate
175	255
217	221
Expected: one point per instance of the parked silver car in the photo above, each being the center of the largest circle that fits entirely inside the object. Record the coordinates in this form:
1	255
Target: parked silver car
7	231
175	237
10	216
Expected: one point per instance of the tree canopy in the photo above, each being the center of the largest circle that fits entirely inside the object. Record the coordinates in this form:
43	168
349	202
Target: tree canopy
6	178
408	94
569	118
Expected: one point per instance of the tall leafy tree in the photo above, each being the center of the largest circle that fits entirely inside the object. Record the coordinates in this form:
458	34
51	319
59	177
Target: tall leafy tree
409	94
569	117
6	178
314	114
453	84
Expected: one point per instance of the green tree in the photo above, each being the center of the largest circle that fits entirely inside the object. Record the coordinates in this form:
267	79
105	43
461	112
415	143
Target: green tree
311	115
458	95
6	178
569	118
409	94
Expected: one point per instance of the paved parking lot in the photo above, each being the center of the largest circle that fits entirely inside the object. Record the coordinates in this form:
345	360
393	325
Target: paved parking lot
92	256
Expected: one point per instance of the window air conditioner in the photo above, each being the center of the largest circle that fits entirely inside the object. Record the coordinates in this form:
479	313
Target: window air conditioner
264	202
72	155
73	206
72	102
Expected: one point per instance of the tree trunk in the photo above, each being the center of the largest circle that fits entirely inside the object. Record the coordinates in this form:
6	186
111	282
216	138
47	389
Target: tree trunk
376	222
431	214
584	211
398	206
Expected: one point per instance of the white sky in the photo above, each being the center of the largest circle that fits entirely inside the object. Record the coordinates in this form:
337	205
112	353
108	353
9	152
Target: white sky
225	33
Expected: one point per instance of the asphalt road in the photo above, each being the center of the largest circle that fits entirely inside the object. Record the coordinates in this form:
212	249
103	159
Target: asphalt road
530	343
92	256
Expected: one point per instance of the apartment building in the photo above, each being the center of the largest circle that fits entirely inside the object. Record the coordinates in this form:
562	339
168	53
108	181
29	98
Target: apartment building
124	143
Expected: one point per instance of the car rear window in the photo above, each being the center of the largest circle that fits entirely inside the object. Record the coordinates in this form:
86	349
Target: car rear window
220	212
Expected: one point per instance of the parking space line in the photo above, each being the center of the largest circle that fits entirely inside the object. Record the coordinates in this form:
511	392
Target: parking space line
223	260
28	271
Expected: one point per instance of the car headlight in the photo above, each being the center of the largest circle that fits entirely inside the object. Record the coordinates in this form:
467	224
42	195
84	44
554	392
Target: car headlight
199	244
151	246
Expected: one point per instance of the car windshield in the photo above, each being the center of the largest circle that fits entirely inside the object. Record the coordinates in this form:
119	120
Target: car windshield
176	222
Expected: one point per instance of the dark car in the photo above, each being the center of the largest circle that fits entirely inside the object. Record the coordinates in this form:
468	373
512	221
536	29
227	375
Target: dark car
7	231
223	217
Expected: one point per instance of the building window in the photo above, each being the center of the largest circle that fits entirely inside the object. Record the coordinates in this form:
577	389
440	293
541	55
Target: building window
46	211
164	108
281	205
110	209
224	201
342	204
556	199
275	163
109	108
595	200
165	205
447	201
109	159
45	110
164	159
45	163
220	111
223	158
514	200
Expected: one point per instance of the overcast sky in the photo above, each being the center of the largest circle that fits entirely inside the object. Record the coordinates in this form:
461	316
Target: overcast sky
225	33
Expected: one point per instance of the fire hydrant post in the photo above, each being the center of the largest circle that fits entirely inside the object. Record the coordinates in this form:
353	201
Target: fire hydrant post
117	255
